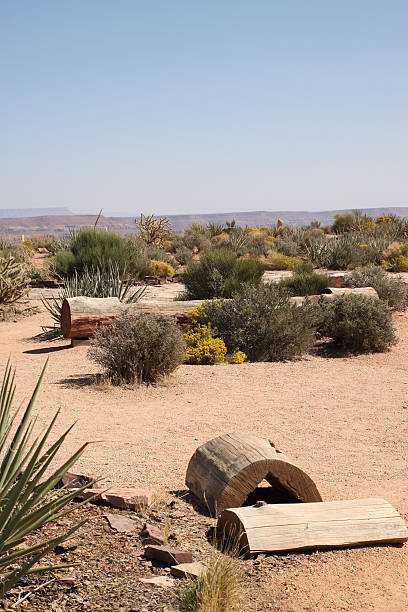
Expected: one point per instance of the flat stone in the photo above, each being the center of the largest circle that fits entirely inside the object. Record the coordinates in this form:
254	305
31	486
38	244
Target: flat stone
132	499
166	554
159	581
74	481
187	570
125	499
151	534
120	523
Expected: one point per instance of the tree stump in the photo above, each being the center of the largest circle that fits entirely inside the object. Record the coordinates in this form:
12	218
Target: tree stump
225	471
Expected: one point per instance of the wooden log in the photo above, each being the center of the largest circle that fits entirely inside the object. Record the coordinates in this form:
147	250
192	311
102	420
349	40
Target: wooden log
81	316
223	472
332	292
291	527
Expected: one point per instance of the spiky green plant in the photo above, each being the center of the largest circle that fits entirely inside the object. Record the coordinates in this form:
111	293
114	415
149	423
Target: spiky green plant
14	281
28	499
94	282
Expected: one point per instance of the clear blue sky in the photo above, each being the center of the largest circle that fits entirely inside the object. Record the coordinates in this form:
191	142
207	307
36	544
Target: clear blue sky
173	106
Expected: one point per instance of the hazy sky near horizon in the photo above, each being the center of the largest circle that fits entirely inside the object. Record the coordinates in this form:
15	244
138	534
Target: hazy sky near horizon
205	106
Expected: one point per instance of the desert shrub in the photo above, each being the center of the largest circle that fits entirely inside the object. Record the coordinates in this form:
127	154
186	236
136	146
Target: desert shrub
14	281
287	246
238	357
138	348
202	347
28	500
343	222
391	290
183	255
162	269
278	261
305	283
262	322
402	263
357	323
219	273
91	248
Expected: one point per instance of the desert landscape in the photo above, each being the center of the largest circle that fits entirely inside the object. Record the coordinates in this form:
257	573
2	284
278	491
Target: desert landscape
145	436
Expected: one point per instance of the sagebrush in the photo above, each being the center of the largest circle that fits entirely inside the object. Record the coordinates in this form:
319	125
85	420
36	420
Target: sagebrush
138	348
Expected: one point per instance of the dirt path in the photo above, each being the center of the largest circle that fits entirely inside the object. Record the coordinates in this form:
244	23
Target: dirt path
344	420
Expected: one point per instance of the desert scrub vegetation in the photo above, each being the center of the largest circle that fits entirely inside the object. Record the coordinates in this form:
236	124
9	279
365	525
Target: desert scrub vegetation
357	324
261	322
202	347
305	283
28	499
390	289
220	273
14	280
217	588
138	348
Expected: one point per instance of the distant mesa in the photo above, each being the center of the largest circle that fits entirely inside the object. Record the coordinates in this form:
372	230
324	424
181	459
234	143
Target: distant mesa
58	221
18	213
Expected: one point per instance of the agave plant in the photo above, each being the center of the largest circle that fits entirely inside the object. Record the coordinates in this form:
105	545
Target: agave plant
94	282
28	499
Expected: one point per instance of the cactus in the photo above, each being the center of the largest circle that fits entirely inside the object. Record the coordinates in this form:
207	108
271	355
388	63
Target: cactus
14	282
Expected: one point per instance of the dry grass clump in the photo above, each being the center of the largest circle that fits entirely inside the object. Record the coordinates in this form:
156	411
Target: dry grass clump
217	589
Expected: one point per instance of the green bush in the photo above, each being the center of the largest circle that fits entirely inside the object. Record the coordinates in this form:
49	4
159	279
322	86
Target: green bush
138	348
390	289
28	500
261	322
357	324
91	248
220	273
305	283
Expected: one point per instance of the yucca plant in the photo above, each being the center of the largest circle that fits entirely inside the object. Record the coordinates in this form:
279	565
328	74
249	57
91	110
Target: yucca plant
28	499
94	282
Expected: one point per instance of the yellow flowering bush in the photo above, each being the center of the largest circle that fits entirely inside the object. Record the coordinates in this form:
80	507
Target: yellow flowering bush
238	357
202	348
402	264
278	261
161	268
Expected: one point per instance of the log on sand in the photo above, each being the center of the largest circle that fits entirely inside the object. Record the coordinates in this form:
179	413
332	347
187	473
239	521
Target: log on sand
290	527
225	471
81	316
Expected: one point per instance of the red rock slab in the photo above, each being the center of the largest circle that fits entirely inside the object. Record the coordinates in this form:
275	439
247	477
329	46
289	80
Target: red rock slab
171	556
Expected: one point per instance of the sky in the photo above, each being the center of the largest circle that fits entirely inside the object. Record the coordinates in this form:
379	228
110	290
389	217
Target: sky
189	106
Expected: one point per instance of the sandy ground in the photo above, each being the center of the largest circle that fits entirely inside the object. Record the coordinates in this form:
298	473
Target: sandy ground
345	421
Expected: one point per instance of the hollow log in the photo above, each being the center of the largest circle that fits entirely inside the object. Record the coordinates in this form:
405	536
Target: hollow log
223	472
81	316
290	527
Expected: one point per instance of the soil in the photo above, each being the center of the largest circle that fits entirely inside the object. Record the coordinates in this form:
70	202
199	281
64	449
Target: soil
344	420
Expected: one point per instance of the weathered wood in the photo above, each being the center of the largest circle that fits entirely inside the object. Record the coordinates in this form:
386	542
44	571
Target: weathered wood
332	292
81	316
223	472
290	527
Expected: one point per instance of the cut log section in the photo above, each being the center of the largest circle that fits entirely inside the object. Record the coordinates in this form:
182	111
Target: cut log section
366	291
226	471
81	316
291	527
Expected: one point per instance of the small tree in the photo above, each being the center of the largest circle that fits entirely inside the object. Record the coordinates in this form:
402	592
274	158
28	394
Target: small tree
154	231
